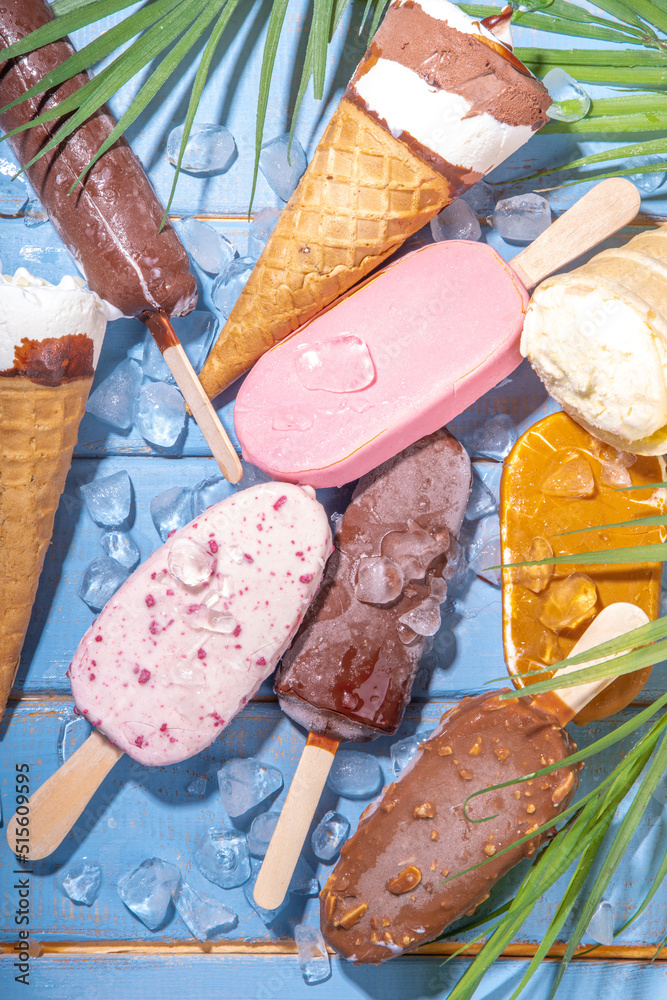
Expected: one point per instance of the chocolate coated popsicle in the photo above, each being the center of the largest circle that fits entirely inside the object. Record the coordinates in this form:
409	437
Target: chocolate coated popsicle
349	672
393	888
111	223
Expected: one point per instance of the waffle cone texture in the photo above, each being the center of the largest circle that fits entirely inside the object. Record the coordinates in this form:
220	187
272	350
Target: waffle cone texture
363	193
39	426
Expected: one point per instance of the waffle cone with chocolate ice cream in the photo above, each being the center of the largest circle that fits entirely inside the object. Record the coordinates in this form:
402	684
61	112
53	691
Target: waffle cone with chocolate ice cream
378	175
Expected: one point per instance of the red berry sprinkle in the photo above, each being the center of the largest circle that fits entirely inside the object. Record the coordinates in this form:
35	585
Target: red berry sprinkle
153	628
139	742
191	608
163	727
279	502
144	676
170	593
98	638
91	677
247	556
201	653
237	632
261	662
306	578
213	546
150	601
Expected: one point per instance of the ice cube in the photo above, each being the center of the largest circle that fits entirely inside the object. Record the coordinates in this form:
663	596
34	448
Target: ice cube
484	561
261	832
108	499
112	401
14	191
379	580
207	247
205	917
261	227
212	620
81	881
536	578
456	571
267	916
341	364
73	732
304	881
649	182
481	199
228	285
120	545
329	836
601	926
34	213
354	775
210	149
456	222
196	333
210	491
403	751
197	787
424	619
482	502
147	890
159	413
100	581
571	103
171	510
493	439
282	165
413	550
222	857
572	479
522	218
189	562
246	784
226	415
312	951
615	475
569	602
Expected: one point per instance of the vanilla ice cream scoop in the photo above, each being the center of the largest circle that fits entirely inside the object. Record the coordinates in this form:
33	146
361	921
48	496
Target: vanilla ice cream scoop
597	337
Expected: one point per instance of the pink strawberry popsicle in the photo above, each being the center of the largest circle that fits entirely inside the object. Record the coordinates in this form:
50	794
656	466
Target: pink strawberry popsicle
188	639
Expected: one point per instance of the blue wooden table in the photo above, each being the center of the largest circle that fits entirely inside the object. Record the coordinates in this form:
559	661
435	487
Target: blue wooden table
104	951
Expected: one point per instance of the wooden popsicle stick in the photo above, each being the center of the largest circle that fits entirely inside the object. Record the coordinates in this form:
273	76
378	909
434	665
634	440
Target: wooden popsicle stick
613	621
602	211
57	804
198	402
295	819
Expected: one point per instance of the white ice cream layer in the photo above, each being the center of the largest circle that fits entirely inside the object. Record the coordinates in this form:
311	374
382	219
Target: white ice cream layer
599	356
436	118
34	308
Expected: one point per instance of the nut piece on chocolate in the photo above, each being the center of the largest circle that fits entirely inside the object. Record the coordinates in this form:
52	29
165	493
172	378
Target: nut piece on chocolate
394	886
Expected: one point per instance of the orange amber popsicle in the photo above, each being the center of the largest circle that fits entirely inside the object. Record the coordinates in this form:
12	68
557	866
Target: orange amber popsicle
559	478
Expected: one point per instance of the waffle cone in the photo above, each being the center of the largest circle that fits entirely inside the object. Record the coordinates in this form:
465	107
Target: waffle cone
362	195
39	430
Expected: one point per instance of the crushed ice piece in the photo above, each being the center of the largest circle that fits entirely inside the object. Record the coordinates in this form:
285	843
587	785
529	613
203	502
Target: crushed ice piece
81	881
601	926
493	439
212	620
112	401
196	332
403	751
261	227
246	784
204	917
456	568
210	491
267	916
312	953
261	832
14	191
487	557
481	198
482	502
100	581
304	881
647	183
210	149
222	858
569	602
207	247
282	165
189	562
379	580
572	479
147	890
341	364
34	213
413	550
197	787
424	619
571	103
159	413
229	284
171	510
536	578
354	775
120	545
73	732
456	222
615	475
252	476
329	836
438	589
522	218
108	499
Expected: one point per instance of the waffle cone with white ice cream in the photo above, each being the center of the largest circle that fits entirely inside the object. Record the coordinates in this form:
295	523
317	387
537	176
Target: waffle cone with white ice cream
597	337
50	339
437	102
